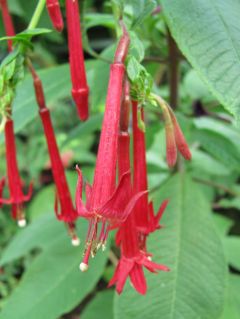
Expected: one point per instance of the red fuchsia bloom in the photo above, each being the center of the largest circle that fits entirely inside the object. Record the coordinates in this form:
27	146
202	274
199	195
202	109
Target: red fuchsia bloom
145	219
66	212
106	203
76	59
7	22
55	14
132	258
17	198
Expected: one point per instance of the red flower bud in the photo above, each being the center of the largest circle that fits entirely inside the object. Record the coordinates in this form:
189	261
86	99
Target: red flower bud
55	14
180	139
76	59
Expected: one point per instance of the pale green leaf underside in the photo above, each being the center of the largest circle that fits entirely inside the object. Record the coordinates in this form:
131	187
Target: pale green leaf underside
188	244
207	32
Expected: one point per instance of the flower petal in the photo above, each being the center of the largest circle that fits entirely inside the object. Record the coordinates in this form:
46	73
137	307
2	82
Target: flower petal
138	279
120	276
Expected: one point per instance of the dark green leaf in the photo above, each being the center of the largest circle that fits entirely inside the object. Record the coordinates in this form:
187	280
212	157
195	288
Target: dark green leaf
207	32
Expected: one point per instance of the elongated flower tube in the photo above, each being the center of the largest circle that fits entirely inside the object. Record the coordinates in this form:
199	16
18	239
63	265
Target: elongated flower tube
17	197
66	212
7	22
78	74
132	258
55	14
146	221
106	203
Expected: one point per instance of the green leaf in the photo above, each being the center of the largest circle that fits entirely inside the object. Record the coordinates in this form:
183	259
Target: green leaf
53	283
40	234
207	33
230	203
98	19
223	224
202	162
189	245
85	128
232	303
134	69
232	249
143	9
100	307
219	147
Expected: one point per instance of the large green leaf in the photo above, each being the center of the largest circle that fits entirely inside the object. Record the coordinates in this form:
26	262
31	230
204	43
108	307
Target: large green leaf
100	307
189	245
53	283
207	33
40	234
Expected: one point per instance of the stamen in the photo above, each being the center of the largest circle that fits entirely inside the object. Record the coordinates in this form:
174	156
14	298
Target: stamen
84	264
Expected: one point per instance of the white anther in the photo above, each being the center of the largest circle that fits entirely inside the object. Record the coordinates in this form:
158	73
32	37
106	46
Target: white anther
22	223
75	241
83	267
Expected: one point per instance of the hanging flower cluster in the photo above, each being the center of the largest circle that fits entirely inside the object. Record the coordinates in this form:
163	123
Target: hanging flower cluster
118	198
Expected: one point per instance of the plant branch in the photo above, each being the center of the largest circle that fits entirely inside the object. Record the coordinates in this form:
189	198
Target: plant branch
37	14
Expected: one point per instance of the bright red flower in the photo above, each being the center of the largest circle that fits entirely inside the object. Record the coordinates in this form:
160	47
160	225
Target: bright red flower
66	212
146	221
7	22
55	14
17	197
106	203
132	258
76	59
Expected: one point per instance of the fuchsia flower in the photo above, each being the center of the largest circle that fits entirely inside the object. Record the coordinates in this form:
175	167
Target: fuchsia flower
17	197
146	221
106	203
76	59
133	259
7	22
55	14
66	212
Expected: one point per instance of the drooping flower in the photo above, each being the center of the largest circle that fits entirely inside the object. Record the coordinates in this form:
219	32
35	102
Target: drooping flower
17	197
133	259
7	22
78	74
106	203
55	14
146	221
175	139
64	208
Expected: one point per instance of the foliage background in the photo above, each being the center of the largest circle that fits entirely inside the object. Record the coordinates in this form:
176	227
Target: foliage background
200	241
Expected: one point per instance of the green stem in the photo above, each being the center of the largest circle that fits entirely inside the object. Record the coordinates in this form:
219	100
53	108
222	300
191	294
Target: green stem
37	14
